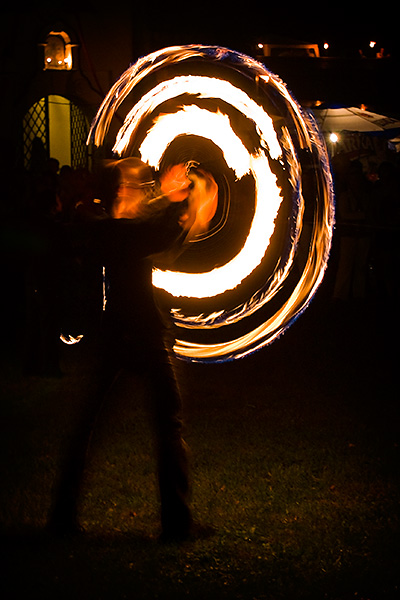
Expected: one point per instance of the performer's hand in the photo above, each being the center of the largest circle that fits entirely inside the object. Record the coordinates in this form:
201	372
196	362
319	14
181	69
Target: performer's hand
175	183
202	202
199	189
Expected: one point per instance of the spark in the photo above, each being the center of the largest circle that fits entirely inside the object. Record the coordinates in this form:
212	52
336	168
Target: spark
70	340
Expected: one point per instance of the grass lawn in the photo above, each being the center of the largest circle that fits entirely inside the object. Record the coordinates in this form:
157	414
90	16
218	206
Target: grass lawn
294	461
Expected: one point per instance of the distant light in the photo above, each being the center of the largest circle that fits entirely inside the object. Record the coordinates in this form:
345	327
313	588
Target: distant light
57	51
326	46
372	44
261	46
334	138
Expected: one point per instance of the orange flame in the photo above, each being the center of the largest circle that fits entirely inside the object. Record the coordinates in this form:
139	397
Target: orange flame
281	137
175	183
201	192
203	199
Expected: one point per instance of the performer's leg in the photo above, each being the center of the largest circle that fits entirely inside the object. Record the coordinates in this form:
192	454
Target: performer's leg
64	512
172	451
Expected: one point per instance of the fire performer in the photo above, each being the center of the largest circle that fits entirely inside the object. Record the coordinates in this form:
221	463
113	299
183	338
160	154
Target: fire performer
145	218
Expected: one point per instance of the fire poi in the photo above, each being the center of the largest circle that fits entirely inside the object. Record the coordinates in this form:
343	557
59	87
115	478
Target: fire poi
263	192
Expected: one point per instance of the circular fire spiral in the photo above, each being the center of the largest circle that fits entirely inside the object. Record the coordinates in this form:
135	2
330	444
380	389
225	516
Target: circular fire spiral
245	278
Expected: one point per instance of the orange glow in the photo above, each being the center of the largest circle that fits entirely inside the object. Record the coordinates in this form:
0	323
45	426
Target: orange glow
57	51
181	182
128	202
203	199
215	126
276	158
135	188
70	340
175	183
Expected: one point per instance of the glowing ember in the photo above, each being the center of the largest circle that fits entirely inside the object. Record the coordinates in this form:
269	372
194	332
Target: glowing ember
70	340
280	173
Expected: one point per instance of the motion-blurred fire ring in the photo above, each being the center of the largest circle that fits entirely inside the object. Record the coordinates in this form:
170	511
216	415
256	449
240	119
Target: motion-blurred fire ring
241	283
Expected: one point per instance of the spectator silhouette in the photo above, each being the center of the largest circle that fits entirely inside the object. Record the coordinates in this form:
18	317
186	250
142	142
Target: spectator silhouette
386	254
353	226
46	256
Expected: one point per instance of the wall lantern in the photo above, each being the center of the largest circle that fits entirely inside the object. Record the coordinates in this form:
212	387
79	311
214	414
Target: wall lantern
58	51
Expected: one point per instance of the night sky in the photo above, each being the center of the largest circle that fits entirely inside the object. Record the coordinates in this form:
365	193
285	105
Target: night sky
242	26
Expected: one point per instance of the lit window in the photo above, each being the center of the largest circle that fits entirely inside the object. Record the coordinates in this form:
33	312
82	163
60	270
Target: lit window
58	51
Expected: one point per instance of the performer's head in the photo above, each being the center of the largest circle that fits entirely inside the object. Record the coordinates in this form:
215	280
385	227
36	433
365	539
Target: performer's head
134	188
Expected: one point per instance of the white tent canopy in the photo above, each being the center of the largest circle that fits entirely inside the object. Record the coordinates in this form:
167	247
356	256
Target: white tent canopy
394	144
353	119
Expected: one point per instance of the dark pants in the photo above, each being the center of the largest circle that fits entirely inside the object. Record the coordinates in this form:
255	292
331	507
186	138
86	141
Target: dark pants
148	356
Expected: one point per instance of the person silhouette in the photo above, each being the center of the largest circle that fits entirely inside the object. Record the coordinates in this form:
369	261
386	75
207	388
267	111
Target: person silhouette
353	208
142	221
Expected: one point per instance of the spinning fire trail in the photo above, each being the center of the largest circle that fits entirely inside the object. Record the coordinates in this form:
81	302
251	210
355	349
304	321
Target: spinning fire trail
245	277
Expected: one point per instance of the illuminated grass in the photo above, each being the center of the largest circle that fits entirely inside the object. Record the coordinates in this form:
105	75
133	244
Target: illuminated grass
299	480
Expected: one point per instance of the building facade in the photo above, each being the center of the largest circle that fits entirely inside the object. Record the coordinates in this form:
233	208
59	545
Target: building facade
56	68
